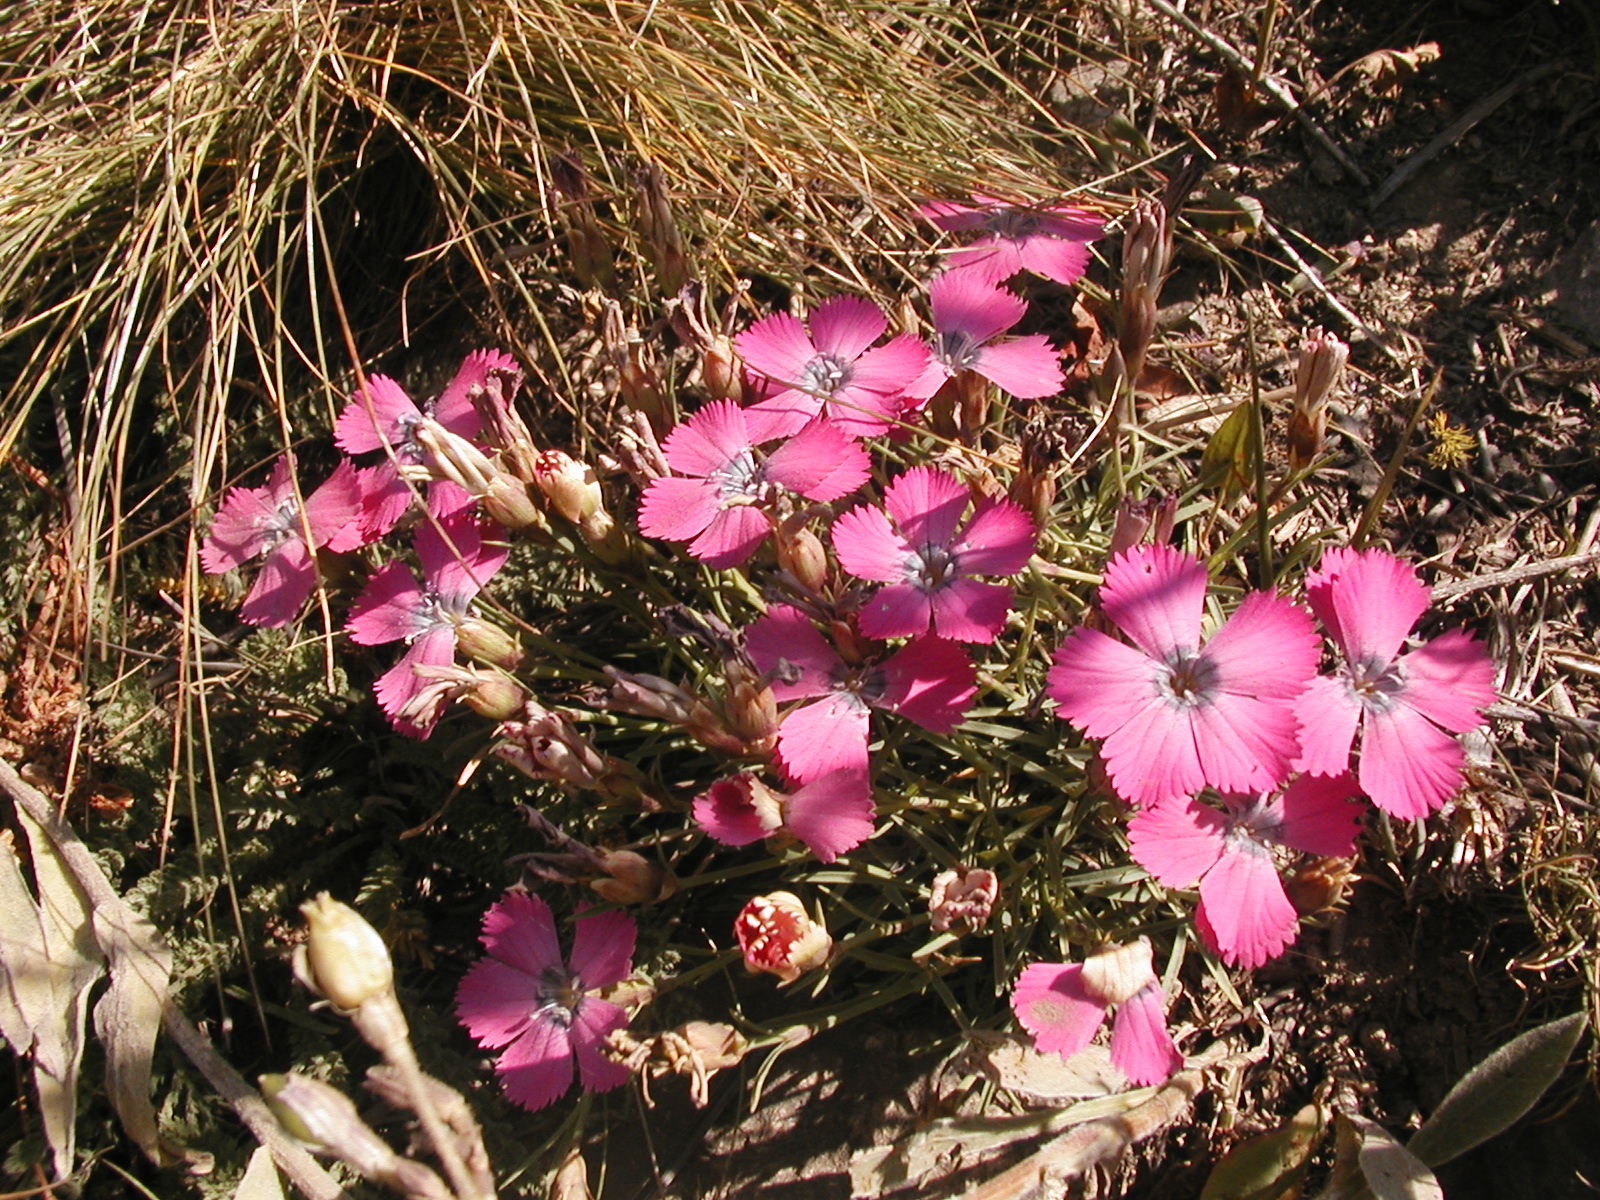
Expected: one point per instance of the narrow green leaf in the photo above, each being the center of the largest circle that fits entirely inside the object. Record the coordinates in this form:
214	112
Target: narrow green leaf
1267	1166
1227	464
1495	1093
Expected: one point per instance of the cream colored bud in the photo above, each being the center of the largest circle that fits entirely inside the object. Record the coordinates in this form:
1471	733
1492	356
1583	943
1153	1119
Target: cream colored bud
568	484
1115	974
344	958
801	553
777	936
720	370
450	456
631	878
506	499
498	697
488	644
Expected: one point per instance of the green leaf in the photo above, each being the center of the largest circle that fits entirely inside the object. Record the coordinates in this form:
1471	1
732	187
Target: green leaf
1227	464
1491	1096
1267	1166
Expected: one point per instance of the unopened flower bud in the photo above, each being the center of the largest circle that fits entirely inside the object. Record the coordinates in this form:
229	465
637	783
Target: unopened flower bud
325	1119
496	696
962	899
450	456
1114	974
720	370
658	230
801	553
506	499
778	936
752	712
344	959
587	248
631	878
648	696
1146	253
1137	519
488	644
1322	361
568	484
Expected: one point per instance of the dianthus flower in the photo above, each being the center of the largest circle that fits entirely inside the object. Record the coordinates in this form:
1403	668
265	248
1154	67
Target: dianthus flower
1050	241
1063	1005
777	936
1406	707
540	1010
925	557
267	521
720	501
384	416
833	370
831	814
929	681
969	313
1174	715
426	616
1244	913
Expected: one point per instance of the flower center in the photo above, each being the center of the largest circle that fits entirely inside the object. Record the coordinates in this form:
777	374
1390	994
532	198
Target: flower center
557	996
431	613
1376	685
1014	223
740	480
930	566
281	525
1189	680
956	349
823	375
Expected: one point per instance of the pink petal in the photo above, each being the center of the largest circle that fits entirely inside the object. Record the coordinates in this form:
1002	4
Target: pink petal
844	326
1409	766
965	610
1243	907
495	1002
708	441
725	812
1267	648
732	537
446	498
1244	744
536	1069
385	500
869	548
1177	841
677	509
1100	684
930	681
826	735
888	369
926	506
286	578
387	608
357	429
778	347
1449	680
1154	595
1141	1047
832	813
457	560
1153	757
1369	601
435	648
1027	367
950	215
1321	814
787	412
602	948
897	610
1050	1002
244	525
963	303
1071	223
595	1021
1055	258
1327	714
861	412
821	462
454	408
785	640
998	540
520	931
988	259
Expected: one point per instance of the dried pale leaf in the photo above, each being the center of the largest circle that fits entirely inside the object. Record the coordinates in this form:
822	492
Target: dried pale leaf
1267	1166
1392	1171
128	1018
1387	71
1013	1063
27	997
1495	1093
571	1180
74	963
260	1180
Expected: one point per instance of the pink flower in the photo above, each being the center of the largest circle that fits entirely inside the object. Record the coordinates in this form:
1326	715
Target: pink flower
1174	716
1406	707
266	521
426	616
1244	913
930	681
1063	1005
721	499
969	313
925	557
777	936
385	417
831	369
831	814
540	1010
1052	242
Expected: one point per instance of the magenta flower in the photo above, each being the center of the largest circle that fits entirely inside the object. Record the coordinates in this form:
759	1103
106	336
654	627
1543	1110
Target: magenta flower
925	558
1052	242
1244	913
1406	707
426	616
831	814
929	681
969	313
541	1011
1173	715
267	521
831	369
1063	1005
391	421
720	501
